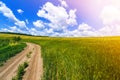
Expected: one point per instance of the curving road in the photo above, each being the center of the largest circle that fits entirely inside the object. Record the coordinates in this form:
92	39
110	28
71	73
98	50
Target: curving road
34	70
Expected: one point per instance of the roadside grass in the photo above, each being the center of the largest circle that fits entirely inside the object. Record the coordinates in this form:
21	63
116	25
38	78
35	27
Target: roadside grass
21	71
29	55
9	48
4	42
10	51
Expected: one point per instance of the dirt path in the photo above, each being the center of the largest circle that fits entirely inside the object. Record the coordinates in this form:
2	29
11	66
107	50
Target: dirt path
35	69
33	72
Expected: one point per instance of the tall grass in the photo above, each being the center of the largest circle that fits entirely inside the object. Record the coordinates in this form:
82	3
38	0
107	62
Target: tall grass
21	71
4	42
81	59
9	49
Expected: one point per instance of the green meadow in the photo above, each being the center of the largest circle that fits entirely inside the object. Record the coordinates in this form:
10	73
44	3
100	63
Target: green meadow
78	58
9	47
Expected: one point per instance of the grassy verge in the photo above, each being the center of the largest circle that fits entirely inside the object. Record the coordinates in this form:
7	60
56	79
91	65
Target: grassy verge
21	71
4	42
29	55
10	51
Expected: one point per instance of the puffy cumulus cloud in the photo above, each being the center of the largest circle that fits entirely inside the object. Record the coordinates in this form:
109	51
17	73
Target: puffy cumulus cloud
109	30
110	16
45	32
15	29
84	27
59	19
83	30
9	14
34	31
58	16
20	23
63	3
49	31
59	22
20	11
12	29
72	18
39	24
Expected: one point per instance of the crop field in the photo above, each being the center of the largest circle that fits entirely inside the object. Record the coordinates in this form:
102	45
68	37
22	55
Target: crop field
79	58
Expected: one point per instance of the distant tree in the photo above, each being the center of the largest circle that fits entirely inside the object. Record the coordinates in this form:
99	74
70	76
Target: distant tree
16	39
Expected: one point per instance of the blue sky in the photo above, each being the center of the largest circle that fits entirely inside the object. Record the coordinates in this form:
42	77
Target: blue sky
61	17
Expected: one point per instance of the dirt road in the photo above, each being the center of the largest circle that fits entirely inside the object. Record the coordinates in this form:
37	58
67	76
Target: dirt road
34	70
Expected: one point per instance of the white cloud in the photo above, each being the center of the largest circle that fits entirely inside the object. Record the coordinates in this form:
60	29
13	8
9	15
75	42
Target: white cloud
15	29
110	15
27	22
20	11
112	2
63	3
59	19
9	14
84	27
72	18
33	31
12	29
49	31
109	30
59	22
20	23
83	30
39	24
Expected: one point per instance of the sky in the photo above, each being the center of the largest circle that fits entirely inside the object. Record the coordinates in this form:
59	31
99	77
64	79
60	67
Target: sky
61	18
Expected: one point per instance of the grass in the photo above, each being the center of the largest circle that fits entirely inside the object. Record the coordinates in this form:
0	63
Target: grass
29	55
21	71
4	42
79	58
8	49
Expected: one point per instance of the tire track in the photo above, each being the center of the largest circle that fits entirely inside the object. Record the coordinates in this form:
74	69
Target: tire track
35	69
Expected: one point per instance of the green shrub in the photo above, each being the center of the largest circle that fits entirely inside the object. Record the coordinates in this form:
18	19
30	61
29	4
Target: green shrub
21	71
25	64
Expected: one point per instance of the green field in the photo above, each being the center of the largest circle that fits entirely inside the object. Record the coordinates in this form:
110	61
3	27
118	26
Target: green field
9	48
79	58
